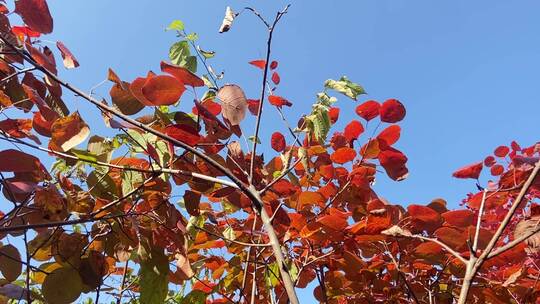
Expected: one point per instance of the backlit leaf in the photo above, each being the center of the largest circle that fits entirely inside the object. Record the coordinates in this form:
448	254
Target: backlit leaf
153	277
182	74
279	101
70	61
353	130
62	285
278	142
9	262
35	13
233	103
390	135
343	155
345	87
392	111
68	132
469	171
258	63
163	90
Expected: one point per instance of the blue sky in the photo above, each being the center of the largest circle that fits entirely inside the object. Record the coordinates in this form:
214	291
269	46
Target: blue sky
467	71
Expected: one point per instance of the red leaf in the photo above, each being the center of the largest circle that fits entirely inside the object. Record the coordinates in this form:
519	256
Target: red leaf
368	110
390	135
192	201
258	63
392	111
459	218
70	61
353	130
273	65
275	78
393	162
334	114
182	74
253	106
489	161
279	101
24	31
470	171
183	133
162	90
136	90
204	112
497	170
17	161
424	214
210	105
35	13
343	155
501	151
278	142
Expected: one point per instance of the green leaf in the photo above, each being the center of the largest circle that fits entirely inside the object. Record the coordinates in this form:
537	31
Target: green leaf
176	25
153	276
84	155
272	274
190	64
179	52
252	138
101	147
131	180
206	54
101	185
192	37
345	87
195	297
229	233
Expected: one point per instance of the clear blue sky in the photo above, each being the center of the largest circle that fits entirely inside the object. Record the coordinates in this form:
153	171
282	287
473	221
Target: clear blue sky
467	71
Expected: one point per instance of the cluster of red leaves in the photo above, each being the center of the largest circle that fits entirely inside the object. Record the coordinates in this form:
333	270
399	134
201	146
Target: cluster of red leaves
324	211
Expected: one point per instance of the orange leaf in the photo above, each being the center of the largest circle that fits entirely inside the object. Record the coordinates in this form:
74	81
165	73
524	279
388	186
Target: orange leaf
390	135
136	89
392	111
22	31
163	90
70	61
182	74
273	65
458	218
278	101
67	132
368	110
258	63
122	96
343	155
35	13
353	130
424	214
278	142
370	149
308	198
470	171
